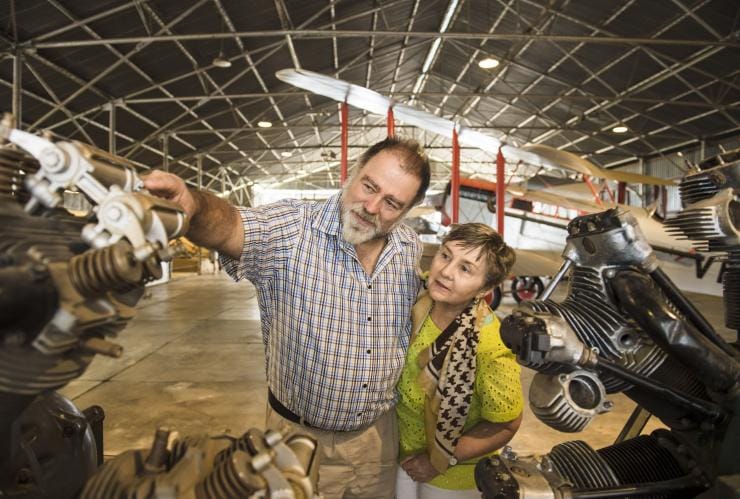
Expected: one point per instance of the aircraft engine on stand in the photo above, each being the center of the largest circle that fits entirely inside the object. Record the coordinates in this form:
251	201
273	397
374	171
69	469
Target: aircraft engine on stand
623	327
68	284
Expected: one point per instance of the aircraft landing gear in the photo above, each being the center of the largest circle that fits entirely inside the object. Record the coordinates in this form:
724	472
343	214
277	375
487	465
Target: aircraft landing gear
526	288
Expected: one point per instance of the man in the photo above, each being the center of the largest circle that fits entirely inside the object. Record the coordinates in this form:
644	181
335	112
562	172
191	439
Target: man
335	284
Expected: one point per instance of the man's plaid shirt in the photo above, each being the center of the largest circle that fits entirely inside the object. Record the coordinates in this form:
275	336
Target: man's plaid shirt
335	338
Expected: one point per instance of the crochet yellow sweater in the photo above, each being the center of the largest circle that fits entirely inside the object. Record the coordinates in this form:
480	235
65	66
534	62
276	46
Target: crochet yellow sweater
497	396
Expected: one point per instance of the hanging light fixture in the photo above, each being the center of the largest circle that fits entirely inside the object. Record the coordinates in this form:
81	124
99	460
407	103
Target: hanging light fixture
220	61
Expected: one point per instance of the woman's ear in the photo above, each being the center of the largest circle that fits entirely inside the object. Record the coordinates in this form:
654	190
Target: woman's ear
483	292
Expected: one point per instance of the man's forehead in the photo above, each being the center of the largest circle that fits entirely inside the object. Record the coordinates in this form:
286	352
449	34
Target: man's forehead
387	172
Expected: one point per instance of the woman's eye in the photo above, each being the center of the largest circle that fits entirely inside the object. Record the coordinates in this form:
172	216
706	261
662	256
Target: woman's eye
465	268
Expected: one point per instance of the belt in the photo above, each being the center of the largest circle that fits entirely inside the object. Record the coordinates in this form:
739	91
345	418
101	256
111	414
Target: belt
284	411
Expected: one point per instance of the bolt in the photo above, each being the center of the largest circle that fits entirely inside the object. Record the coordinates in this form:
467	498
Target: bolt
23	476
114	213
51	159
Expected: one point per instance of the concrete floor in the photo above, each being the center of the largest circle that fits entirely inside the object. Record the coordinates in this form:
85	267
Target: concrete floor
193	361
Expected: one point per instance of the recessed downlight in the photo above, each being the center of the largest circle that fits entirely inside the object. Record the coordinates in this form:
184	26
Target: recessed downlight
620	129
264	124
488	63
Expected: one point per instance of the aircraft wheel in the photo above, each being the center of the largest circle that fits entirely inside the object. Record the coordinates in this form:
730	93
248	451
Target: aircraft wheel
526	288
493	298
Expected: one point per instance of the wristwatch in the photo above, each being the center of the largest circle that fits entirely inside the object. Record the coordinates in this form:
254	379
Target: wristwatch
453	460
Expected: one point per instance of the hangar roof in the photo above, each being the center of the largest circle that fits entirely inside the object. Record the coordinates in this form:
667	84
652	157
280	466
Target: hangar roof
139	76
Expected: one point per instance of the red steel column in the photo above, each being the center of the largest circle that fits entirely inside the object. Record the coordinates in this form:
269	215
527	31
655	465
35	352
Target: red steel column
500	192
391	124
345	138
593	190
621	192
455	181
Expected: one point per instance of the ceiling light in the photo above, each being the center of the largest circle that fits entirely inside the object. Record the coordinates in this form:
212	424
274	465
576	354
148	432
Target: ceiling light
286	154
221	62
264	124
488	63
620	129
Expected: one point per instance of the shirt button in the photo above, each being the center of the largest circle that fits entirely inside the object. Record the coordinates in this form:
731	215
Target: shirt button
368	350
359	414
364	385
369	318
369	286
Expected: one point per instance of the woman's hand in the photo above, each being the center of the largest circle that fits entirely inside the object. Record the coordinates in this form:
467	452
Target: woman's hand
419	468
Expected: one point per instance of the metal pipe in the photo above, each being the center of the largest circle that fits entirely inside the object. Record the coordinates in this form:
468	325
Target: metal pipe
166	152
17	88
651	488
345	143
112	128
698	406
321	33
262	95
567	264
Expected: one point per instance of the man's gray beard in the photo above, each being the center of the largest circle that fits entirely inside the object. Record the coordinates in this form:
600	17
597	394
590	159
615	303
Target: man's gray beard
355	236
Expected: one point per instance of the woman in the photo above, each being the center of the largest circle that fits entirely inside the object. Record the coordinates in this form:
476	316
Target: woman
460	396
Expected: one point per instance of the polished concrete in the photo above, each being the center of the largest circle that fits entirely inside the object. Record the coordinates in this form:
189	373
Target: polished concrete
193	362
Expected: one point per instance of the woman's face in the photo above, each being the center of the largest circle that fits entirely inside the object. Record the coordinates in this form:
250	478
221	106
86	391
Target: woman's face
457	274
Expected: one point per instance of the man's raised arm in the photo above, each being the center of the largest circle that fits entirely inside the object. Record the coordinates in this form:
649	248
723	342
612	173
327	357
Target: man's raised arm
214	223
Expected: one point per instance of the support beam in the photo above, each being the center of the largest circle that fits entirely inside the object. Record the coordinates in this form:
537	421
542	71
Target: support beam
112	127
428	35
455	180
166	152
17	87
345	140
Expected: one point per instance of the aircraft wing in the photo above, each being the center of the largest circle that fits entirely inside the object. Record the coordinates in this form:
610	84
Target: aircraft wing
536	263
369	100
558	200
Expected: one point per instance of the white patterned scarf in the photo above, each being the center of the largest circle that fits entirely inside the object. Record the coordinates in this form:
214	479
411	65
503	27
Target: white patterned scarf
448	379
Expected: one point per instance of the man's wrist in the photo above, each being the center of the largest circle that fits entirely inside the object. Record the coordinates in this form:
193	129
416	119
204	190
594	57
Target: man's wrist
198	202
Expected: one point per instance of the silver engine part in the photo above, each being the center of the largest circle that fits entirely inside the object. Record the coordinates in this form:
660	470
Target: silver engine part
256	465
66	285
711	220
598	246
568	402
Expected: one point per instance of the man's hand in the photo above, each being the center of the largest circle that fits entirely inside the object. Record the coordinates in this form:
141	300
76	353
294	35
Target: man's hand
419	468
173	188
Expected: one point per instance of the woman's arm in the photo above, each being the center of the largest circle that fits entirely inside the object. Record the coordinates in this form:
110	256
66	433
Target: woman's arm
481	439
485	437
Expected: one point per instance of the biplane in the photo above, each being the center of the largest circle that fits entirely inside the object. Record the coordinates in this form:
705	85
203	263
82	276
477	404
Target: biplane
563	181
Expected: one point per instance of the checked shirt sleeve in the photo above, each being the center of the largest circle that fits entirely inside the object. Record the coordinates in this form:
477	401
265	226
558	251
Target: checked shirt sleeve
270	234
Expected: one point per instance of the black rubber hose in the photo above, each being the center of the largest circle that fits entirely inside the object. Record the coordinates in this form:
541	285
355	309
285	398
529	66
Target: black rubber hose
689	310
639	298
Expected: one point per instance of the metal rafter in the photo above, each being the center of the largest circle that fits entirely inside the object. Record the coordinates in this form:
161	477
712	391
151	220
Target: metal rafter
428	35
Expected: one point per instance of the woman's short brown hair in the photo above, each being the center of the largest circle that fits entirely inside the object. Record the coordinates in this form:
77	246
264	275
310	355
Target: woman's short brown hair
499	257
